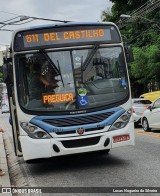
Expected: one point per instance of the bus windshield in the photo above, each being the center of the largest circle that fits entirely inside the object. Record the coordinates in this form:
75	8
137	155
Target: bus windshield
71	79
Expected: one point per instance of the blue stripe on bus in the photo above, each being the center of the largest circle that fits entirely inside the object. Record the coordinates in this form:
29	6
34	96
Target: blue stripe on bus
38	120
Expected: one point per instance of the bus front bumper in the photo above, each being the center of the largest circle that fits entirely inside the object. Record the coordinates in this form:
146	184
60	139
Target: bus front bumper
45	148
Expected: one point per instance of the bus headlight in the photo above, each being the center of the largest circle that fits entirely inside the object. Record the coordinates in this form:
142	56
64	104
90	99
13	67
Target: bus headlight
34	131
122	121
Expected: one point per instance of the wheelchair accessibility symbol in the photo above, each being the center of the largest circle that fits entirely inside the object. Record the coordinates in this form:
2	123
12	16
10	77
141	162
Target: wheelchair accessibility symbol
83	100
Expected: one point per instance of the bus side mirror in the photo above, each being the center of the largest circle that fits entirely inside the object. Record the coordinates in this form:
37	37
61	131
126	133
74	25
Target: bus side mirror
150	108
129	53
7	71
4	71
8	76
10	120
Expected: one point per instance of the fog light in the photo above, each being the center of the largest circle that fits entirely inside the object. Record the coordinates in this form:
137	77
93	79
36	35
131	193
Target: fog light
106	142
55	148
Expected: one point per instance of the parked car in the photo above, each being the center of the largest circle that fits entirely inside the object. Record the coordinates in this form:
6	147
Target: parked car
139	106
151	116
152	96
4	108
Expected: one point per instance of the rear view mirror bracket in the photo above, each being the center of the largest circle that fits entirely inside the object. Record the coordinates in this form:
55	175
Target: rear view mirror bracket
150	108
128	53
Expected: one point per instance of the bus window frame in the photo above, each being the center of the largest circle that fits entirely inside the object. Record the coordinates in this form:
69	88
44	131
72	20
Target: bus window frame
117	103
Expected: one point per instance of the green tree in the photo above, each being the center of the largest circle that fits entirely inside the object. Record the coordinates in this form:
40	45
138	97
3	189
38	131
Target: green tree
143	35
145	69
121	7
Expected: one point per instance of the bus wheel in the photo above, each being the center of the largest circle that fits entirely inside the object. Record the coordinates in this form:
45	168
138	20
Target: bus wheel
145	125
136	125
107	151
31	161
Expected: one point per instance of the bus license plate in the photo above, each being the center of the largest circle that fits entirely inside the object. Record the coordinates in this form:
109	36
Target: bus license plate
121	138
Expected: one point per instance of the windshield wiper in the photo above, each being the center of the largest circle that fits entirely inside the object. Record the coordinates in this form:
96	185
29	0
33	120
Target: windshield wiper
60	72
89	57
42	51
57	71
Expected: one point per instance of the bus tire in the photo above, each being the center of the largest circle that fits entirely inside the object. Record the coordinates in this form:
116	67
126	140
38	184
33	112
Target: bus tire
107	151
31	161
145	125
136	125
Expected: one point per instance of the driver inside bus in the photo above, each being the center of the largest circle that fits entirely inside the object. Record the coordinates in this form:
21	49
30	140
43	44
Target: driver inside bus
39	84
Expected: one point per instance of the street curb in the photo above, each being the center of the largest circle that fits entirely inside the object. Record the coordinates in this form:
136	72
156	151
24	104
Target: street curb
16	176
4	180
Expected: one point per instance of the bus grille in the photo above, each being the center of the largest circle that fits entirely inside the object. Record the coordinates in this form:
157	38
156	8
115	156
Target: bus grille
74	131
81	142
79	120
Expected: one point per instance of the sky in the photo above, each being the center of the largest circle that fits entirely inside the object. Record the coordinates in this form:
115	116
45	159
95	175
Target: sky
71	10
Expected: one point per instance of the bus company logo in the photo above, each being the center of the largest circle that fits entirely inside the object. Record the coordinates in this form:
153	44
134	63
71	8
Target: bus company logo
80	131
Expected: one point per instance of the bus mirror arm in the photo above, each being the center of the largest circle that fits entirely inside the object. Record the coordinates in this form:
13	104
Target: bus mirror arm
89	57
4	70
150	108
6	67
7	75
129	53
43	52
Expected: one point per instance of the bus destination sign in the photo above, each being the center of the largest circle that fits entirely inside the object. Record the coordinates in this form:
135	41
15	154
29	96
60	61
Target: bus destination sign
62	36
65	36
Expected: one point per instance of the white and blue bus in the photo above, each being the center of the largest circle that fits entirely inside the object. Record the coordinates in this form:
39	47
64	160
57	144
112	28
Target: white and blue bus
69	90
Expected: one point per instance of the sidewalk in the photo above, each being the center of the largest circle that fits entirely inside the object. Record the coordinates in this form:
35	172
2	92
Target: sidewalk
4	180
17	176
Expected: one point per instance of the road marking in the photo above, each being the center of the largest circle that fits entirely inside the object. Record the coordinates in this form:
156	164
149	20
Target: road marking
152	134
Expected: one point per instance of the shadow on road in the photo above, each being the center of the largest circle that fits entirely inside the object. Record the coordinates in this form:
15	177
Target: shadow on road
76	162
155	131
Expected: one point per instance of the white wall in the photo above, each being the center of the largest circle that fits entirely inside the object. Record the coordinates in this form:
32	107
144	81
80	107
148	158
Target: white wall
1	58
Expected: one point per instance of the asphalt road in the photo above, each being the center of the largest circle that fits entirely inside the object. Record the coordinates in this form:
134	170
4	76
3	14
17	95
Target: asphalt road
133	166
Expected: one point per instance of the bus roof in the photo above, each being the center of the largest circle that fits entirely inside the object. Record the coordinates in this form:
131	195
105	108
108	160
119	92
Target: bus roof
64	34
60	24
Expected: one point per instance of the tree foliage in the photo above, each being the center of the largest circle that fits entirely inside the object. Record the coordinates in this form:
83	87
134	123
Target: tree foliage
143	34
121	7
